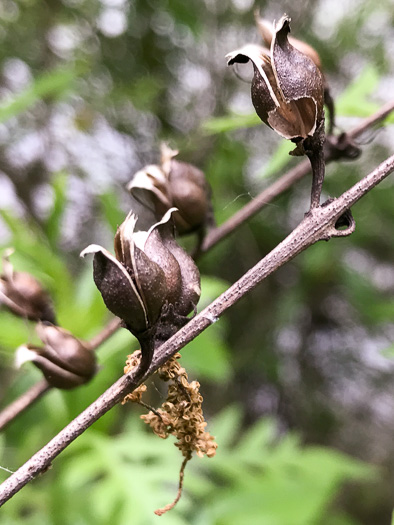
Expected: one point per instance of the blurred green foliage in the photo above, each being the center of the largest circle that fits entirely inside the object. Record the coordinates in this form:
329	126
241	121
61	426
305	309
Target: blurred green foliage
298	377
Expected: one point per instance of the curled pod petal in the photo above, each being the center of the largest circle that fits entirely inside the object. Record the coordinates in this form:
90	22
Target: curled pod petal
189	275
116	286
265	95
191	287
150	187
266	30
151	282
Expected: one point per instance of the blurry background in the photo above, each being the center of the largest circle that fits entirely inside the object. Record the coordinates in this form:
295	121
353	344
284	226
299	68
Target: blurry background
298	378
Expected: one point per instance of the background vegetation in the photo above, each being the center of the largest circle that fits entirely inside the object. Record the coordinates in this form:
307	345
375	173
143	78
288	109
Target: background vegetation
298	377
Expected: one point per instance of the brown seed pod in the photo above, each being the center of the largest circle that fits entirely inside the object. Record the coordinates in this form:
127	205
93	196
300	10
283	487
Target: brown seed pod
23	294
150	271
287	87
174	184
65	360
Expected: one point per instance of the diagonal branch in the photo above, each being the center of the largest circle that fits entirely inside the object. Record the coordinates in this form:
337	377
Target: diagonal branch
214	236
319	224
24	401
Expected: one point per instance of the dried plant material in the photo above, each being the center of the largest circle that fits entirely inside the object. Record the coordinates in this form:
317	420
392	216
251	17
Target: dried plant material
175	184
287	94
133	360
65	361
181	414
266	31
160	512
23	294
287	87
152	284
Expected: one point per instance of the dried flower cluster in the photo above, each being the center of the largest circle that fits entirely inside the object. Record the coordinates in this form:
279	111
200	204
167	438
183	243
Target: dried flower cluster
180	415
133	360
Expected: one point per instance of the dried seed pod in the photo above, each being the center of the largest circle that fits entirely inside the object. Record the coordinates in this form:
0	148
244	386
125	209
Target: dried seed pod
23	294
151	284
287	93
65	361
266	31
175	184
287	88
147	273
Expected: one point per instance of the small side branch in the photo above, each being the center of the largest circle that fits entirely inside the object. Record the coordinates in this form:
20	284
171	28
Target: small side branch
23	402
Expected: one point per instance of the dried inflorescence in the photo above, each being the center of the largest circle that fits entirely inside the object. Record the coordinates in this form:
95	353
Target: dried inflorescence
180	415
132	361
65	360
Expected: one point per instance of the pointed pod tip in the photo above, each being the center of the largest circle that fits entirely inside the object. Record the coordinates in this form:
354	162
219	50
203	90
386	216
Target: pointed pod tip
91	249
283	23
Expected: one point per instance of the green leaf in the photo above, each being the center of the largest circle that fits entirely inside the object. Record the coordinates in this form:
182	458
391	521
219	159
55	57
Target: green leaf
111	210
53	222
54	83
354	101
230	122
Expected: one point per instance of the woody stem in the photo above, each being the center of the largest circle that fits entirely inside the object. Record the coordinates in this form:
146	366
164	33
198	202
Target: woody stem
147	343
313	147
316	158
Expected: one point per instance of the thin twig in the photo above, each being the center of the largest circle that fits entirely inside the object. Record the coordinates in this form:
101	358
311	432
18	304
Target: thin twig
319	224
34	393
105	334
160	512
23	402
282	184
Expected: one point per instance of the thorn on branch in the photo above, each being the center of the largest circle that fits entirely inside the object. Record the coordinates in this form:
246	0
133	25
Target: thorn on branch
343	227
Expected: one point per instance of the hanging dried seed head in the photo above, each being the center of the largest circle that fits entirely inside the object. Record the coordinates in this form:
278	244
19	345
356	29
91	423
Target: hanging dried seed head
65	361
174	184
23	294
266	31
150	271
287	87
